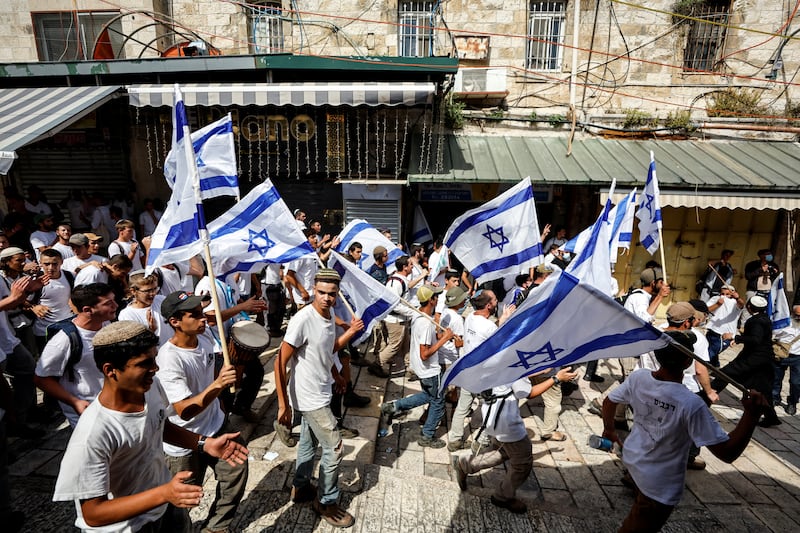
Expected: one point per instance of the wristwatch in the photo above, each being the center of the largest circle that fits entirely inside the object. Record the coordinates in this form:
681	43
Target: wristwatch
556	381
201	442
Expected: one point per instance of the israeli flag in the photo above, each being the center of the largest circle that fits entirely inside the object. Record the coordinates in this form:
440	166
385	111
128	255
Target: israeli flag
361	231
216	160
592	265
177	235
621	217
649	212
542	334
421	232
778	306
500	238
371	301
259	229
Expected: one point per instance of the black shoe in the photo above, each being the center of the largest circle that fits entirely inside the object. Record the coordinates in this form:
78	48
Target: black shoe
790	409
410	376
513	505
351	399
359	361
595	407
769	422
594	379
378	370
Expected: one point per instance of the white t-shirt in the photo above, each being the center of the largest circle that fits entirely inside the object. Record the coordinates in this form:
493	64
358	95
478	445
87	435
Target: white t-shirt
477	329
638	302
400	314
451	319
314	338
437	263
40	209
184	373
42	238
304	271
725	317
122	247
423	332
88	379
700	349
55	295
116	454
90	274
667	419
272	274
147	223
505	423
163	330
64	249
73	262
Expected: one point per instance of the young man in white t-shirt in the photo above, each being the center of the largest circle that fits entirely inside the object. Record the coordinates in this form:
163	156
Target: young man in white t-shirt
309	350
64	232
186	371
113	468
125	243
668	418
424	360
511	443
45	236
76	383
724	322
146	306
51	302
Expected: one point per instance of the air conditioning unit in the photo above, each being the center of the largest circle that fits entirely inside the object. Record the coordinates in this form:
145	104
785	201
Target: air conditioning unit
480	80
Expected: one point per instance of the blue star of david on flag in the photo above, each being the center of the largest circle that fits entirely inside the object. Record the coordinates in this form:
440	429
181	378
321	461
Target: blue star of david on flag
530	359
255	238
490	232
649	205
200	162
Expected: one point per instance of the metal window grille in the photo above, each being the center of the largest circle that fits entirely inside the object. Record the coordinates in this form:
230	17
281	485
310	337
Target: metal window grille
706	40
70	35
546	35
416	28
267	29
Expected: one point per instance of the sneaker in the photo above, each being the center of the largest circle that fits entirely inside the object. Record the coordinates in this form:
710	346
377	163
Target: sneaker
333	514
595	407
594	379
790	409
513	505
285	434
461	476
351	399
455	445
696	464
388	410
410	376
431	442
555	436
304	494
378	371
348	433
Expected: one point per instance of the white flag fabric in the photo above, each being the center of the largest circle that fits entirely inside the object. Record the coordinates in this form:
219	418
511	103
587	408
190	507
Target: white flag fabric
649	212
592	265
177	235
542	334
259	229
371	301
361	231
622	224
500	238
216	160
778	306
421	232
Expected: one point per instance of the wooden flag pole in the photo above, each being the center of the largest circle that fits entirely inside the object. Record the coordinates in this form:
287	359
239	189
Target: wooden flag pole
719	373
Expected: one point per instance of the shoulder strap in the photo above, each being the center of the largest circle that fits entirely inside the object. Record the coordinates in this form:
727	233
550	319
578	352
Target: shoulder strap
75	343
401	280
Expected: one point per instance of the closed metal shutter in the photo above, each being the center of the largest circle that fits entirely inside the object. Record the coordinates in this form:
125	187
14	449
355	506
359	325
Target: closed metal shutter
379	213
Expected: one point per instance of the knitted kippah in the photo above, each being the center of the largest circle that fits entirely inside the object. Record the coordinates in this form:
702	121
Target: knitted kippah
121	331
327	274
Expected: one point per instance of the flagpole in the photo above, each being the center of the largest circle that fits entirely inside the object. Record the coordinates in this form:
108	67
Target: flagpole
722	375
205	238
420	313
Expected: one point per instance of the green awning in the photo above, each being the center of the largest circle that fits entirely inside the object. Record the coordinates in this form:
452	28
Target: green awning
713	169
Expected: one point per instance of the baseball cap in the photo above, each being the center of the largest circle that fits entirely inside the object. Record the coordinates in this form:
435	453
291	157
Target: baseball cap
649	275
426	292
379	250
121	331
78	239
680	311
454	296
11	251
179	301
700	305
93	236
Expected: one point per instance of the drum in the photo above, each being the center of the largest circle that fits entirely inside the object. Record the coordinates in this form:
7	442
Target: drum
248	341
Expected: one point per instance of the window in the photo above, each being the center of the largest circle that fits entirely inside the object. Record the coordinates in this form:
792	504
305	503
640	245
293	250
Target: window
545	35
416	28
267	28
70	35
705	41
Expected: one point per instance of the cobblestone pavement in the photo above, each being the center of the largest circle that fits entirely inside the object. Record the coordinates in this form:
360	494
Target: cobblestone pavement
391	484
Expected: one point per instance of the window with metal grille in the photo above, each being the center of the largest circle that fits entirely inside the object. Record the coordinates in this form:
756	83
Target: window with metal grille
706	38
416	28
266	26
71	35
545	35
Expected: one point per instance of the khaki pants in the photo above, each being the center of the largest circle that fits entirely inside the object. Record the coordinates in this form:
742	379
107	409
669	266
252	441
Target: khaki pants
552	405
628	365
520	463
393	342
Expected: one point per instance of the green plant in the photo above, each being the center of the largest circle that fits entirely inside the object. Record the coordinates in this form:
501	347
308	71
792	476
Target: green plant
534	115
497	113
680	120
556	120
734	102
686	8
638	119
454	114
792	111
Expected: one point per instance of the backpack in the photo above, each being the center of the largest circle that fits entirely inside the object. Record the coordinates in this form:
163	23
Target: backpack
402	283
75	343
488	398
624	298
69	276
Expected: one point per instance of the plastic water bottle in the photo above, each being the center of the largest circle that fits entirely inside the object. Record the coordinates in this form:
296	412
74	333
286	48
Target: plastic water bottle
600	443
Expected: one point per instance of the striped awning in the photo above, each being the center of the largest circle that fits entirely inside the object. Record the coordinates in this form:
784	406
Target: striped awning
27	115
283	94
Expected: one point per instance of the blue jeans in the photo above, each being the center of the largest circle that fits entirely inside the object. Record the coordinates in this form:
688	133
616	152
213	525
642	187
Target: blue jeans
793	364
319	427
716	345
430	394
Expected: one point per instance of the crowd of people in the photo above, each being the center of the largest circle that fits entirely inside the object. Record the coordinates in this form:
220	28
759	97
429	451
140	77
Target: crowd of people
124	355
